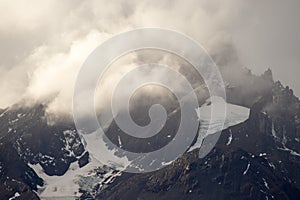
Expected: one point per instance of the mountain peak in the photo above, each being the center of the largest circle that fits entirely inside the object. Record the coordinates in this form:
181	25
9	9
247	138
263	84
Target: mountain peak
268	75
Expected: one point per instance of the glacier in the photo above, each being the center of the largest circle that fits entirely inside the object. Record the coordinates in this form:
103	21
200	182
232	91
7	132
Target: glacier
234	115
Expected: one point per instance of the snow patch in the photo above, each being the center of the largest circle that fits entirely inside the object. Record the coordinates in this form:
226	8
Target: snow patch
262	154
245	172
266	184
284	141
15	196
120	142
3	113
166	163
292	152
274	132
229	139
67	186
272	165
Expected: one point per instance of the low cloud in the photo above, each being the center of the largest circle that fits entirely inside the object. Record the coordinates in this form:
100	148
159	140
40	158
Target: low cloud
43	44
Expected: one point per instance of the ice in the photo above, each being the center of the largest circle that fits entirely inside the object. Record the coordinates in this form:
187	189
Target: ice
234	115
67	186
95	144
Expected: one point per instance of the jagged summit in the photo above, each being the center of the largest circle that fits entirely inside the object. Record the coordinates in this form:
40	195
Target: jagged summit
257	159
268	75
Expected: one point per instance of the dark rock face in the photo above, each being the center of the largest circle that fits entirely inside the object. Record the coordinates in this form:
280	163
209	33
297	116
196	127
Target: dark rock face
248	88
219	176
26	138
133	144
10	187
83	160
139	112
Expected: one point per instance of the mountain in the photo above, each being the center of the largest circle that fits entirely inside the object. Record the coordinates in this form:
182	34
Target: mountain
26	138
258	158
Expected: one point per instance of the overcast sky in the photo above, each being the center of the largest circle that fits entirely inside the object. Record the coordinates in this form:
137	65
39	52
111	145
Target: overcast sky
43	43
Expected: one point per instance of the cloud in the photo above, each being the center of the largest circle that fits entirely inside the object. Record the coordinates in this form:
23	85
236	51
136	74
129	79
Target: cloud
43	44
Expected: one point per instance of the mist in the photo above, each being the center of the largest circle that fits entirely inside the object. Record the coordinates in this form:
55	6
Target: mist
44	44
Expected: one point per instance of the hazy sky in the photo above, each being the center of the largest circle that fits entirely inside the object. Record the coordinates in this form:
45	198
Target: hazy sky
43	43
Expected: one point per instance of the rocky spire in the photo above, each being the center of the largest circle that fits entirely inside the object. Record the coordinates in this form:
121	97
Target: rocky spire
268	75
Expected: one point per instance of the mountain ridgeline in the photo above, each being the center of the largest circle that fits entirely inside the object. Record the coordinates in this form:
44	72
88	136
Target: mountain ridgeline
257	159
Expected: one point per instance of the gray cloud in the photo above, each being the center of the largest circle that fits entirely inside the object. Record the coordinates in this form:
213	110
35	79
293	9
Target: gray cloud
43	43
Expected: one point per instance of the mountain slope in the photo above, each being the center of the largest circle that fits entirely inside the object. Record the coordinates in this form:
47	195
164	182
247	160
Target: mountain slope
26	138
261	161
255	159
